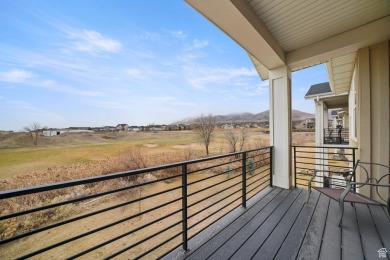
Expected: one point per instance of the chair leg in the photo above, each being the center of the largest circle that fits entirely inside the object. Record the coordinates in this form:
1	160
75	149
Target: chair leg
342	213
308	194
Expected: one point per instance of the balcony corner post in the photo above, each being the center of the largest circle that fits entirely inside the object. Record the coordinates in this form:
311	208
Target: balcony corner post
184	207
244	179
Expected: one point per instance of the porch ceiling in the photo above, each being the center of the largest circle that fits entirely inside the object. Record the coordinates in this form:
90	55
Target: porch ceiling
301	33
340	101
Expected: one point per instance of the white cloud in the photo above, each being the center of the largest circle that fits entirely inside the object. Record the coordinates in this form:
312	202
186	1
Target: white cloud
148	72
201	78
178	34
93	42
55	86
149	36
15	76
196	45
29	78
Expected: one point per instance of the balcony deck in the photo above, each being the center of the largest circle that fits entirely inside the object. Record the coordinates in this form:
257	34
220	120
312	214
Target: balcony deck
280	225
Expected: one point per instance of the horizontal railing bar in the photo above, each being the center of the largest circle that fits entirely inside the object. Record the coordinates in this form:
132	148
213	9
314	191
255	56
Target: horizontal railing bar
258	186
65	184
310	146
322	182
257	181
320	176
210	177
144	239
87	233
254	175
124	234
214	166
82	217
324	159
320	164
212	195
298	152
256	155
20	213
157	246
207	226
312	169
212	214
261	160
211	186
171	250
213	204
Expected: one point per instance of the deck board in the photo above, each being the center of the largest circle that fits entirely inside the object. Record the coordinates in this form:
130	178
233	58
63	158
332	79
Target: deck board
218	240
282	226
271	246
331	248
259	236
311	245
234	243
370	238
289	249
382	225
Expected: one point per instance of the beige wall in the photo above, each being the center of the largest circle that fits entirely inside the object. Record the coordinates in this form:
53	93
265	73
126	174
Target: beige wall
372	124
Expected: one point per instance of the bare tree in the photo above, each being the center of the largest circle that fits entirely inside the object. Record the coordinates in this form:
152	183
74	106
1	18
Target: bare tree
205	126
34	130
232	139
236	141
243	137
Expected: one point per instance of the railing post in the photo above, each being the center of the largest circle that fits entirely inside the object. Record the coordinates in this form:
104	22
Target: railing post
354	173
244	179
184	206
295	166
270	166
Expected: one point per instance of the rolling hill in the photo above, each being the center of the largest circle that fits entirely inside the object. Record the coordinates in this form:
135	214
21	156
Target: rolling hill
249	117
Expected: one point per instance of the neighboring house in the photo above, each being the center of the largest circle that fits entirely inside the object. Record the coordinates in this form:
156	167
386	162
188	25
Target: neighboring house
309	123
58	131
109	128
53	131
122	127
134	128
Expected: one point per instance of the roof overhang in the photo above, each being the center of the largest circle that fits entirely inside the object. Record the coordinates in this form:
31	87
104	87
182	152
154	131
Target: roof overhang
262	33
241	23
331	100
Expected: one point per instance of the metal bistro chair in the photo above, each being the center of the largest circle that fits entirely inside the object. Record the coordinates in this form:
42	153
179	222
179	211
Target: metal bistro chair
349	194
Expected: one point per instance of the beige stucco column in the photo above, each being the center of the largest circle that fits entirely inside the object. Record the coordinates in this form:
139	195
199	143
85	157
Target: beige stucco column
372	119
280	125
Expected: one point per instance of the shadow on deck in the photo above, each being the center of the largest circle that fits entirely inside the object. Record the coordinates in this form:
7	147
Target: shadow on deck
278	224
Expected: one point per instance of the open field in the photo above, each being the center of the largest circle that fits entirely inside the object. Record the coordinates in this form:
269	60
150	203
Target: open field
18	156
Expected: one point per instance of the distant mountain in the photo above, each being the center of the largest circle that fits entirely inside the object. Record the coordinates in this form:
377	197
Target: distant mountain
248	117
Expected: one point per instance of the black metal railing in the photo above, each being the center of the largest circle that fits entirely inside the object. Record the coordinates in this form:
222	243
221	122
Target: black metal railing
141	213
333	163
336	136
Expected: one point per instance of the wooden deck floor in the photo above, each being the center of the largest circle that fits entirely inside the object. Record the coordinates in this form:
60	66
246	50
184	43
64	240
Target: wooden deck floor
280	225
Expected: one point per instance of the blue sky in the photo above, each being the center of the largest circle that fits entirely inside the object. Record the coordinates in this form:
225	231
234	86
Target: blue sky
93	63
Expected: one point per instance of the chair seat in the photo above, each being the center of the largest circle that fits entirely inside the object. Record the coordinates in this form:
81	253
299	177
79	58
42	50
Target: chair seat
351	196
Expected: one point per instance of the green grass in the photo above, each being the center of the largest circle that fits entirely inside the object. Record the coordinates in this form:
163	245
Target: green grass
14	161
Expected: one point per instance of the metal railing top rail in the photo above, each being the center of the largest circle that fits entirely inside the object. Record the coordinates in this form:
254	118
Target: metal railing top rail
65	184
